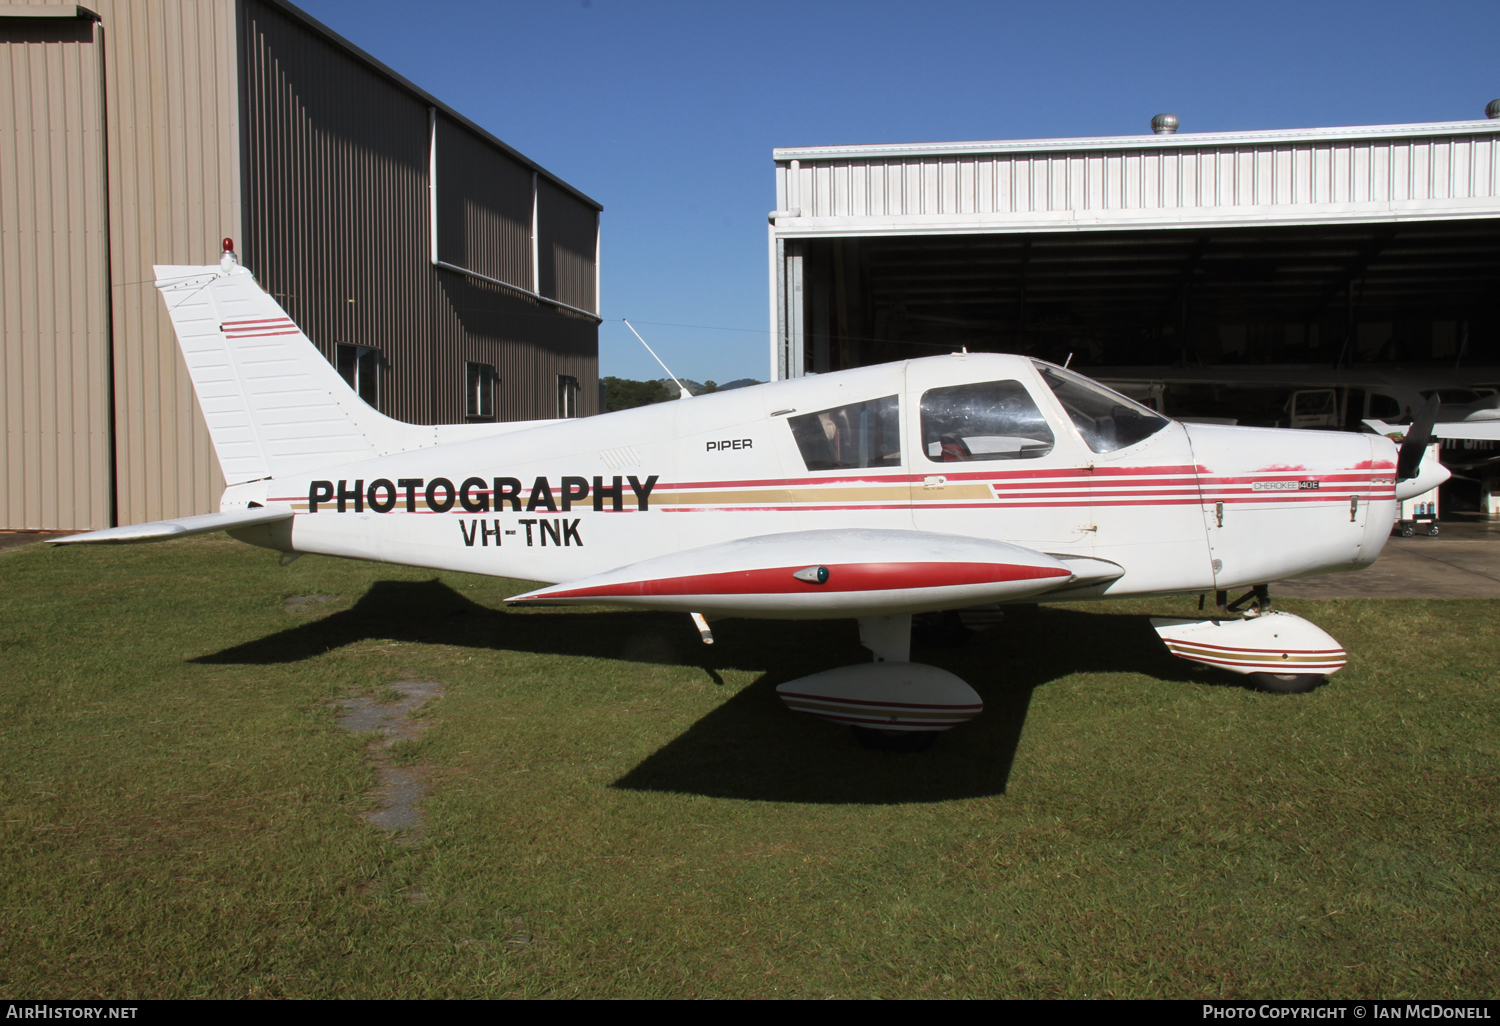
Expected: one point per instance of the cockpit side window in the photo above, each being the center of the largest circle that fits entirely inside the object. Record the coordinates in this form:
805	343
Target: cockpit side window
1106	420
850	437
987	420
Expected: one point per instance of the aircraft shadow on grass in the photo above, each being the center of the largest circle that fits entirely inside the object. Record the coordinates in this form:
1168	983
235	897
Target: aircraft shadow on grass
752	746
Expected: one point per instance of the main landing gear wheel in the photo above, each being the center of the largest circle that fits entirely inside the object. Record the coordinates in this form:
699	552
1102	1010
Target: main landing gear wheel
894	740
1287	683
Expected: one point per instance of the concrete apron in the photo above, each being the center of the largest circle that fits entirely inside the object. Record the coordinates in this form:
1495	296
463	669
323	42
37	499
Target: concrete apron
1462	562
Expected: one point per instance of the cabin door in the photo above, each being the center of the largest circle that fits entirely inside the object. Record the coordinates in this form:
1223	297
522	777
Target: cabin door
991	458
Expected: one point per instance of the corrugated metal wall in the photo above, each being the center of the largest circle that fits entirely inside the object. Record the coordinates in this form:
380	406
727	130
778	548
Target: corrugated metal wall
1313	179
54	375
334	155
484	207
337	224
568	233
172	116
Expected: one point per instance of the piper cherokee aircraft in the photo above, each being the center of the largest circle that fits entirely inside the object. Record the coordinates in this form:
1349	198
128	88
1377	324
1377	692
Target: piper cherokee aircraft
877	493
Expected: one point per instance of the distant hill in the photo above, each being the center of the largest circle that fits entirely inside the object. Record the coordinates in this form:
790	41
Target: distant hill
701	387
625	394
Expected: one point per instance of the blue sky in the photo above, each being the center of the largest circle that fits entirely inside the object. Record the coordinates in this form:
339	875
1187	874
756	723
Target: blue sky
667	112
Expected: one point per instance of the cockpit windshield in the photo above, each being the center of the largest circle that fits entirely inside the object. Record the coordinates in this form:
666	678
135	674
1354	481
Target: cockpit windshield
1106	420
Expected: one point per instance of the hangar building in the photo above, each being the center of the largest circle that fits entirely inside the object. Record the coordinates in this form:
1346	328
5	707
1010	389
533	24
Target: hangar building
1337	247
448	277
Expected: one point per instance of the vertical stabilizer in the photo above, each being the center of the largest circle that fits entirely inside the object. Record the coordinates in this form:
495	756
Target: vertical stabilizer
273	404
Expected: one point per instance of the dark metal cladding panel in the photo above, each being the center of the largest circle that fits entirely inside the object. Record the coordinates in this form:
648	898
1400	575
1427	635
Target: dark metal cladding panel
567	235
528	343
336	214
484	207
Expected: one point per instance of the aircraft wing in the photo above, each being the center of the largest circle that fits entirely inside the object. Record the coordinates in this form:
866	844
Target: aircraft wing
832	573
183	527
1482	430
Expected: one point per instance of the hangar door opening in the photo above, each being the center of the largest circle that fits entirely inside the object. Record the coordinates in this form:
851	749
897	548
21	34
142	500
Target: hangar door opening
1408	294
1269	310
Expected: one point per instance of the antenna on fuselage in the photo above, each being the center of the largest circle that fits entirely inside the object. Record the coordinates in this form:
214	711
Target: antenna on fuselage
685	393
1067	361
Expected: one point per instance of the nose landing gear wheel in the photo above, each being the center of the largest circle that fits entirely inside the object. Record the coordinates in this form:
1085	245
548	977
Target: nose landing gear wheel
1287	683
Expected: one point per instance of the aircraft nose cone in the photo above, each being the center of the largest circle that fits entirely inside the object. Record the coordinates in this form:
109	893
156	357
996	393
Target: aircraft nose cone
1430	474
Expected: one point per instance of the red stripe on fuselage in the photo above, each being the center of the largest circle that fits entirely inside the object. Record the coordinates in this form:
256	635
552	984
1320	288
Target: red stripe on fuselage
842	577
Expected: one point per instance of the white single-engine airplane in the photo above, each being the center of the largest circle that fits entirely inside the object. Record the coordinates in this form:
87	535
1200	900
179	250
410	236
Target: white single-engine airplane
934	484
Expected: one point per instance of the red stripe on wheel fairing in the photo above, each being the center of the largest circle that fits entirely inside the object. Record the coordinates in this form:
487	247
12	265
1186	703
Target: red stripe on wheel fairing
1245	649
841	577
975	707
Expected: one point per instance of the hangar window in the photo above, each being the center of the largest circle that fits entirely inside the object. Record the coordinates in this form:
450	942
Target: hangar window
567	396
850	437
988	420
1106	420
479	391
360	367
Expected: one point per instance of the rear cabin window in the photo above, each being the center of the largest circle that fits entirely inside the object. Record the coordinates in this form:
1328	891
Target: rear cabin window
1106	420
850	437
1384	407
987	420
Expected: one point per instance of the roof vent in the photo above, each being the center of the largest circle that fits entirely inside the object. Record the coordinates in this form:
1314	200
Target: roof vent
1492	109
1166	124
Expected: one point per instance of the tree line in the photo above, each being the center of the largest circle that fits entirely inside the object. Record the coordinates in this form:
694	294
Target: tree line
625	394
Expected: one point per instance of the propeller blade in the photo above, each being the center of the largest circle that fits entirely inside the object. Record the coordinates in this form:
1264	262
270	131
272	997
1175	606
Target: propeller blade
1418	438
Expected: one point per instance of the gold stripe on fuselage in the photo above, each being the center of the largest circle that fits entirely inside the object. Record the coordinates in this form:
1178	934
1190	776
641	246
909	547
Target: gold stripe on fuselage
771	496
855	493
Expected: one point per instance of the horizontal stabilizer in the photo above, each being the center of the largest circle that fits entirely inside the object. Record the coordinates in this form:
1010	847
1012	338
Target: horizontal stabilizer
1471	430
823	574
183	527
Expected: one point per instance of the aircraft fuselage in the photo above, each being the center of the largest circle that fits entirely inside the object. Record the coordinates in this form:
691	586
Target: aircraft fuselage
1188	508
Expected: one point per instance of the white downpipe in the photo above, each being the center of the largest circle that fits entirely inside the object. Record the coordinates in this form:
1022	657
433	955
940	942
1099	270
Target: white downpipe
536	259
775	329
432	206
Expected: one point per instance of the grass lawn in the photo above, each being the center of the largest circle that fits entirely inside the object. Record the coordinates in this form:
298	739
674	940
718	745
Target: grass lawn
618	810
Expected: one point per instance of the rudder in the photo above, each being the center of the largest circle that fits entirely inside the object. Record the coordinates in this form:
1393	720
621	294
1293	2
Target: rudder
273	404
